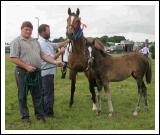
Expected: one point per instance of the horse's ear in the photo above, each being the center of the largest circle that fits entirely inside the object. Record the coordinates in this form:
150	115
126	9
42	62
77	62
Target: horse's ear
77	12
69	11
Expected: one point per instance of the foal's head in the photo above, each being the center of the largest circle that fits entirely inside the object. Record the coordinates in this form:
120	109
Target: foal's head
73	23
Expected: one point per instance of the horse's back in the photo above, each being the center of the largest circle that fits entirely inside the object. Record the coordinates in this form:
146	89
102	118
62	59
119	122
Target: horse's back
121	67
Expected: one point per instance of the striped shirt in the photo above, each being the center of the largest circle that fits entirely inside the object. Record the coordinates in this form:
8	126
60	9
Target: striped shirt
28	51
48	48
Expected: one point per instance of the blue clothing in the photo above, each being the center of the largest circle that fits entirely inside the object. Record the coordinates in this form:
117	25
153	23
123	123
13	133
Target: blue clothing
48	94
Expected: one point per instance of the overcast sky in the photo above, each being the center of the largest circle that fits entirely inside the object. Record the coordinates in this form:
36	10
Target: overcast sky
135	22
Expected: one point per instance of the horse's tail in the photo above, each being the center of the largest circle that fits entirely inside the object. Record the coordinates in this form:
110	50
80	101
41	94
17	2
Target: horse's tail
148	72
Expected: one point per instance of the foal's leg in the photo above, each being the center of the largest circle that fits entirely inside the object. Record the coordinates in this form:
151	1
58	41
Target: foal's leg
72	76
92	91
99	87
144	91
137	108
106	88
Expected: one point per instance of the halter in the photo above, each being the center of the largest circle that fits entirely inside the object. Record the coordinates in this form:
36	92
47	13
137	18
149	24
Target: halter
78	34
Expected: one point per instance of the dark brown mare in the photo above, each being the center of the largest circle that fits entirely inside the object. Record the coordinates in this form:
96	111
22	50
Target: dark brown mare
113	69
79	57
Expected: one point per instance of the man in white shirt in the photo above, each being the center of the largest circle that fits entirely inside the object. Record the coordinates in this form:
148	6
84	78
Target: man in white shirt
48	75
65	60
145	50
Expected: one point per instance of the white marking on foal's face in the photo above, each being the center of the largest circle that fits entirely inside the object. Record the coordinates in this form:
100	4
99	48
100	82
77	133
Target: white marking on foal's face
90	51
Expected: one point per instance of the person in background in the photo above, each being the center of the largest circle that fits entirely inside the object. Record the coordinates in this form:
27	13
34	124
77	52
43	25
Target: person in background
145	50
65	60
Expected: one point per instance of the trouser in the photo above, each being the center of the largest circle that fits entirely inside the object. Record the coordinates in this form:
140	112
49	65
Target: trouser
36	93
48	94
145	55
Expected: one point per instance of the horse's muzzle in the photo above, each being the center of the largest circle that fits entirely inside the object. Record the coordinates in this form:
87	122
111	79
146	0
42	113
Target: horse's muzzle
70	35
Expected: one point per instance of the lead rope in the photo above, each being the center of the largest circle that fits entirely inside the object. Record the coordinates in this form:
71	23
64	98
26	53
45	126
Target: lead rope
33	79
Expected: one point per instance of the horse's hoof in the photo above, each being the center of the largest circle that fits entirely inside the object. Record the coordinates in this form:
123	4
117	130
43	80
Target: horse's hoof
98	113
70	105
110	115
135	113
146	109
94	109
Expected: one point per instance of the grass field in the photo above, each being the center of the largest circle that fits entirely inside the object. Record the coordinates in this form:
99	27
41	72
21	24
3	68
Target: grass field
80	116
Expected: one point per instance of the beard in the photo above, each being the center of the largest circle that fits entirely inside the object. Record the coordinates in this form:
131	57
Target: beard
47	37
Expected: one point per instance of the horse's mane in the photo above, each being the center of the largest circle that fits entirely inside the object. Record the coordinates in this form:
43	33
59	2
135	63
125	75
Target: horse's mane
103	53
101	48
97	45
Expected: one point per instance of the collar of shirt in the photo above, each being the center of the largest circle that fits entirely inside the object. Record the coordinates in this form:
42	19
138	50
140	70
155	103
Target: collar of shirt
42	39
22	38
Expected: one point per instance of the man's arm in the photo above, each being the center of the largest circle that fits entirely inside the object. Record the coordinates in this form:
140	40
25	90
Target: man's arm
51	60
59	53
21	64
64	43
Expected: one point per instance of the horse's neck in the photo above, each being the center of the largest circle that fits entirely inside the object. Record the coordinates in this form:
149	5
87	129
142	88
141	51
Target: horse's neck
101	56
79	45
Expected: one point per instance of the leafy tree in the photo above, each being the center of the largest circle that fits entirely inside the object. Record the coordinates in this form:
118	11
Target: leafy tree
152	49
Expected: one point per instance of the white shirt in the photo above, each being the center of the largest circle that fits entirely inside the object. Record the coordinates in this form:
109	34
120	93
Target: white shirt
66	53
144	50
48	48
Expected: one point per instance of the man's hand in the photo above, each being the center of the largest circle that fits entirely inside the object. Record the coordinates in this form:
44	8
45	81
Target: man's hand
68	40
30	68
22	64
62	50
59	63
64	43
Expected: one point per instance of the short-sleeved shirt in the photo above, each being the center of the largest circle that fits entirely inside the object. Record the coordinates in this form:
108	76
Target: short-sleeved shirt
66	53
48	48
144	50
28	51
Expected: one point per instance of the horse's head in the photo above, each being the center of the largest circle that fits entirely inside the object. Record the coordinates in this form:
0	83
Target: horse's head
73	24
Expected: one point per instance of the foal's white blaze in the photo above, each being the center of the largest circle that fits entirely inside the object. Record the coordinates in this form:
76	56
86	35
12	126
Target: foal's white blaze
94	107
90	51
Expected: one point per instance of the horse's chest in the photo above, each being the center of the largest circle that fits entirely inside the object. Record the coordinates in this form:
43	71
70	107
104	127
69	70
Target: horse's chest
78	62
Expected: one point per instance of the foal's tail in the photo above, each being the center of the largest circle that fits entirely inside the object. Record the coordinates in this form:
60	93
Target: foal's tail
148	72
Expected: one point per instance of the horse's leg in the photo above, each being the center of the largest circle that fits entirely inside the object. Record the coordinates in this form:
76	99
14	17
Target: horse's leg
144	91
72	76
99	87
92	83
92	91
137	108
106	88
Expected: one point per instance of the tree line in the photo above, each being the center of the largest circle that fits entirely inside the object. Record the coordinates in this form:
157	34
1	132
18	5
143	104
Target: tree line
104	39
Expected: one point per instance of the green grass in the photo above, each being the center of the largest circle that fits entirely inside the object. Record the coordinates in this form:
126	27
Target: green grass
80	116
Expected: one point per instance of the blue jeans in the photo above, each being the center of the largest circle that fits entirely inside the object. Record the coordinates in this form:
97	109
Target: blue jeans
48	94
